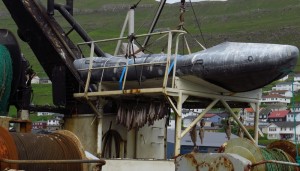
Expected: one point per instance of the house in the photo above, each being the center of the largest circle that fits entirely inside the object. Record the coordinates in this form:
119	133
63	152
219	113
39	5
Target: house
35	80
291	115
287	131
264	114
287	86
223	115
272	131
295	107
187	112
211	143
214	118
275	98
45	81
53	124
188	120
45	113
278	116
197	110
297	77
248	115
285	93
282	131
39	125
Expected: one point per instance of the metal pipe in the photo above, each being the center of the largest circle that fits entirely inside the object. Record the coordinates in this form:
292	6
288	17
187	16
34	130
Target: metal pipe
102	162
275	161
175	59
178	124
50	7
62	9
121	35
237	120
153	24
137	36
168	60
131	21
227	97
121	66
87	84
256	120
69	4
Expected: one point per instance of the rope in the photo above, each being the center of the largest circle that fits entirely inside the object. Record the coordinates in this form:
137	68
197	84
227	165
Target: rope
278	155
198	24
5	78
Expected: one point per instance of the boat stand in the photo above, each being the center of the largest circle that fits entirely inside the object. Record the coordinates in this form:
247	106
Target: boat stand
177	91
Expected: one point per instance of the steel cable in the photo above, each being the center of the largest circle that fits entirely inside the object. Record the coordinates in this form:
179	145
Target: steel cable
47	147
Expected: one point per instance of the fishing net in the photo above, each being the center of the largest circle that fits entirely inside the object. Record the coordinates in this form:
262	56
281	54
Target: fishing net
5	79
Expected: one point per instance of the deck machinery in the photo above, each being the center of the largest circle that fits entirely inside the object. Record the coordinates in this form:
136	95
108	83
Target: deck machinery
92	110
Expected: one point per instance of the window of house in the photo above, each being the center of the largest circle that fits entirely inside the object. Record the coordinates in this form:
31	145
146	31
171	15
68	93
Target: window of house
272	129
291	129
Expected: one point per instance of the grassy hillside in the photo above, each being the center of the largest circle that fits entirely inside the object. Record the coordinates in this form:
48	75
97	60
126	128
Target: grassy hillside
269	21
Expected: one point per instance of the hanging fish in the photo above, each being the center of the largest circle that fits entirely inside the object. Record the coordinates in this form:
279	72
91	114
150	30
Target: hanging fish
240	131
228	129
193	134
201	130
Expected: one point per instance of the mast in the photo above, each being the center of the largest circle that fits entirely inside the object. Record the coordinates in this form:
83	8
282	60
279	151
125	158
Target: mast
153	24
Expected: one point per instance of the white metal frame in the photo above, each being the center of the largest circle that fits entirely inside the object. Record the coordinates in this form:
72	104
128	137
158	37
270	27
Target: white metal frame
180	89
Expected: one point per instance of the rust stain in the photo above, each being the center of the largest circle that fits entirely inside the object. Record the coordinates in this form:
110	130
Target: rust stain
191	157
132	91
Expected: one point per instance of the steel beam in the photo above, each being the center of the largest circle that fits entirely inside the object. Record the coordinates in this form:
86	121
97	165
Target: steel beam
237	119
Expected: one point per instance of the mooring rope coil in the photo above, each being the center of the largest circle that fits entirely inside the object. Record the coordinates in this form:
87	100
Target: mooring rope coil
47	147
5	78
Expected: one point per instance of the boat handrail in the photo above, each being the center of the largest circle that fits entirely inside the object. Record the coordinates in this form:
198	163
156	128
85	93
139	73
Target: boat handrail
122	80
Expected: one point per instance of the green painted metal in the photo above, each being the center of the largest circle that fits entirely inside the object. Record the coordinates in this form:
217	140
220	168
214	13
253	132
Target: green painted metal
6	72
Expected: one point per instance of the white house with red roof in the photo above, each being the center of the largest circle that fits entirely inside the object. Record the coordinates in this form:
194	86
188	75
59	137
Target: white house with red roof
278	116
285	93
275	98
282	131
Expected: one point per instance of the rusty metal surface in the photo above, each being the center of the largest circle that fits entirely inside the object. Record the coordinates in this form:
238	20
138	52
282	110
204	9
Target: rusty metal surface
73	139
211	162
8	149
246	149
100	162
47	147
287	146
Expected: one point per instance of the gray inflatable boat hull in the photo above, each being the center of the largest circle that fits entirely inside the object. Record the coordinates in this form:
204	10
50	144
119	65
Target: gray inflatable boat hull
237	67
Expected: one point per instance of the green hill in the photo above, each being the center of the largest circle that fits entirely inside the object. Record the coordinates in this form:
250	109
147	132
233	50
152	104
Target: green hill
269	21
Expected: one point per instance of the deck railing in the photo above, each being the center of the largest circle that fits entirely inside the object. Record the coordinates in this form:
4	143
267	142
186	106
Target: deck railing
169	66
